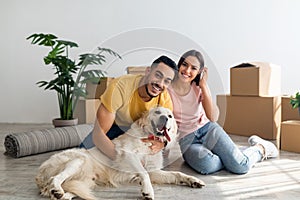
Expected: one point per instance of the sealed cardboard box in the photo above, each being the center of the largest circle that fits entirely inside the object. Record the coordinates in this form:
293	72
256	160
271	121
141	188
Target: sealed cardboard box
287	112
136	70
95	90
249	115
255	79
86	110
290	136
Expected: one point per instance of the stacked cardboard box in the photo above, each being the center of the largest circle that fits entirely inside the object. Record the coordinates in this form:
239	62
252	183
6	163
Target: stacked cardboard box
254	103
95	90
290	135
290	127
288	113
86	109
136	70
255	79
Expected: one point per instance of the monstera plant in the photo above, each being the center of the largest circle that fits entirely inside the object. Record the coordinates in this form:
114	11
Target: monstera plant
295	101
71	76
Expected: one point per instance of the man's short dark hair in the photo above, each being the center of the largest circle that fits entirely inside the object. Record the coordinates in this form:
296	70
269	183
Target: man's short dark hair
166	60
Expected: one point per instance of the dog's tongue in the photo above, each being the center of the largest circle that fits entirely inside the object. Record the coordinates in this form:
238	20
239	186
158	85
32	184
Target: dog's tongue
166	134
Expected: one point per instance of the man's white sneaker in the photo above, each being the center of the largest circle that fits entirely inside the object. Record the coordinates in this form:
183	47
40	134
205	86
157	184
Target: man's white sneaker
271	150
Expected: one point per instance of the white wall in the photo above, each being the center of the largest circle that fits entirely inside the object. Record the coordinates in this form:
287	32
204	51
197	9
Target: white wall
228	32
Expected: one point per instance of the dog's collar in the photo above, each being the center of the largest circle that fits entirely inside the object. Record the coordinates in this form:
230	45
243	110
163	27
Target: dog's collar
153	137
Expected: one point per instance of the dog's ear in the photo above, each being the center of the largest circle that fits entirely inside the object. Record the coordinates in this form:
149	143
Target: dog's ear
173	134
174	128
143	119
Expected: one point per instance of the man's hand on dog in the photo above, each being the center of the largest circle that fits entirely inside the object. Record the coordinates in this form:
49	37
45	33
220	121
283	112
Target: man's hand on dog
156	145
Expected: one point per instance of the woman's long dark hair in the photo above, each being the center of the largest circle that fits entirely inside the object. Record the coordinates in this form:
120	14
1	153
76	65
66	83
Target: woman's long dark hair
200	58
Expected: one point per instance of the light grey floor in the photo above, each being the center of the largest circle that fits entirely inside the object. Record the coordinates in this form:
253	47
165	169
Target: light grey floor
272	179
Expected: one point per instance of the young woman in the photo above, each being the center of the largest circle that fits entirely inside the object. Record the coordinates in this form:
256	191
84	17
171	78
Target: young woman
204	144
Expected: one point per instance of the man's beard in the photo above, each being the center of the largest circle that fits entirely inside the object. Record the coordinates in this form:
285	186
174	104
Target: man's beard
148	93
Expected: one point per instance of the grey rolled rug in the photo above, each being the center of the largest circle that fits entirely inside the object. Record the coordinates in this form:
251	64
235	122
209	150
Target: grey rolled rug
40	141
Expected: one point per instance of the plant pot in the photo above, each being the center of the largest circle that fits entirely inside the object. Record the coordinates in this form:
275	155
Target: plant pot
62	122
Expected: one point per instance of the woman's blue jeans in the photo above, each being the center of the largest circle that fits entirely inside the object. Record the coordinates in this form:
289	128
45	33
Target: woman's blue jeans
210	149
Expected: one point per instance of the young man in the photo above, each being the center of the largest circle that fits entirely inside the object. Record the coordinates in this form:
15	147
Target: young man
125	99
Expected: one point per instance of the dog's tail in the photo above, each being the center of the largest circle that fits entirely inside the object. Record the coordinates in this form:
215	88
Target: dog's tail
79	188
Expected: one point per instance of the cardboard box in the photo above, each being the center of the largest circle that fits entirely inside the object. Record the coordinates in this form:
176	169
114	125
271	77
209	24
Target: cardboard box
256	79
290	136
288	113
95	90
86	110
136	70
246	116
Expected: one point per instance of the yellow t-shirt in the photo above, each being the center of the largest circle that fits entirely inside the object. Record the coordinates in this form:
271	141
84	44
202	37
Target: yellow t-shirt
121	97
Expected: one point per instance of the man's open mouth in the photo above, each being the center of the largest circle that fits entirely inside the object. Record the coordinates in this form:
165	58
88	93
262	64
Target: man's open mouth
156	87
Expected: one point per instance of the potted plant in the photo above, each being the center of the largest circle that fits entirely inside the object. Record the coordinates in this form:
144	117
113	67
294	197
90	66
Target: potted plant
71	76
295	101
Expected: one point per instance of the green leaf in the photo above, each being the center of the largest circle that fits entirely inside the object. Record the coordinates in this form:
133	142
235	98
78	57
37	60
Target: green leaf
111	52
42	39
67	43
295	100
42	83
57	50
91	74
91	59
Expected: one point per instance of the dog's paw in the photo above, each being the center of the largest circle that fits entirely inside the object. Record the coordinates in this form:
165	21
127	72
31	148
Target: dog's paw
57	194
147	196
195	182
55	189
147	192
198	184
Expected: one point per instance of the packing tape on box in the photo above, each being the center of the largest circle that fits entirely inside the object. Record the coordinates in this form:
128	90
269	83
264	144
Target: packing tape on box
28	143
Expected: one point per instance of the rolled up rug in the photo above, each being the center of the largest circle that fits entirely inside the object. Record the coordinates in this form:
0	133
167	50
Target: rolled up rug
28	143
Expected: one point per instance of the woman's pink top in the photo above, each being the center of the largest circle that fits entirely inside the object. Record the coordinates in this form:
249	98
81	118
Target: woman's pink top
188	110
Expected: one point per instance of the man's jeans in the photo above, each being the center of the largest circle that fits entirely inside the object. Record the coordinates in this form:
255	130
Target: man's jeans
210	149
113	132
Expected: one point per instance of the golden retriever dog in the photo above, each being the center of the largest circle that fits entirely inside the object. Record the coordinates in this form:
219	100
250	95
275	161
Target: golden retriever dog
75	172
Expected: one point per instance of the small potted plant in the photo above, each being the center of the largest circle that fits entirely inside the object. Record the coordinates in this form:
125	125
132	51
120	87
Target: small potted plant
71	76
295	101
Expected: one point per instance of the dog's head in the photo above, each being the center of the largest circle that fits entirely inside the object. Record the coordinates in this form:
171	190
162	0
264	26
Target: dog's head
159	123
